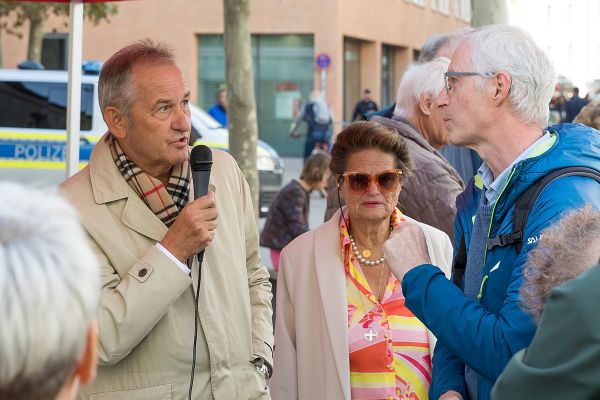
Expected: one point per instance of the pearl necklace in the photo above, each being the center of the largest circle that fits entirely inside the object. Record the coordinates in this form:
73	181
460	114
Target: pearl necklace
366	253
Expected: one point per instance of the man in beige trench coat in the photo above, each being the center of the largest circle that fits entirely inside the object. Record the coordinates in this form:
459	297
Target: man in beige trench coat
136	203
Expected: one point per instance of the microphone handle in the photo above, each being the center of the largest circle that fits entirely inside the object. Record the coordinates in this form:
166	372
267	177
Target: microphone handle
200	179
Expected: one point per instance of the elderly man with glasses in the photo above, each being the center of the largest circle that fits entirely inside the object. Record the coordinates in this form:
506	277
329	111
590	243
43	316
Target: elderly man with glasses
498	87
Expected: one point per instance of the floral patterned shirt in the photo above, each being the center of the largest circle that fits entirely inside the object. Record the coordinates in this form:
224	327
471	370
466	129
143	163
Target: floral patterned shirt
389	347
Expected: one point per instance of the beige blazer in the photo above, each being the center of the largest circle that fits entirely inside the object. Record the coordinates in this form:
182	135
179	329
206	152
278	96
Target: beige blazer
311	333
146	311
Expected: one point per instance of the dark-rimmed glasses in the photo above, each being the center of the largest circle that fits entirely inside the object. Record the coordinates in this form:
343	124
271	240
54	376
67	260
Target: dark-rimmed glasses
452	74
358	182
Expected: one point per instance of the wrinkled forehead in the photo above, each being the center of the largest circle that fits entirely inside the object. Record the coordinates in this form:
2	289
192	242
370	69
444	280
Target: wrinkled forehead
461	59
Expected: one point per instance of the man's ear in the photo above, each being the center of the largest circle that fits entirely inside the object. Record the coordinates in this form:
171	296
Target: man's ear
425	102
116	121
503	82
88	359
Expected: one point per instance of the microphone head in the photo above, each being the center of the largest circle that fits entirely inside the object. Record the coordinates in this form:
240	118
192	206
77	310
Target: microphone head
201	158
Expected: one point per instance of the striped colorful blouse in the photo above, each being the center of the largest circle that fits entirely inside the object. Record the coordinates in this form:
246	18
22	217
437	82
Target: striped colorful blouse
389	346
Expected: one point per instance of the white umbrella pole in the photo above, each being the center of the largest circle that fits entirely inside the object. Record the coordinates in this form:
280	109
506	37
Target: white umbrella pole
74	94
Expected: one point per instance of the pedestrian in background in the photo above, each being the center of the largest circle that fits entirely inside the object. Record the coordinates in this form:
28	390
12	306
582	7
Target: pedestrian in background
219	110
49	290
574	105
319	118
288	213
364	106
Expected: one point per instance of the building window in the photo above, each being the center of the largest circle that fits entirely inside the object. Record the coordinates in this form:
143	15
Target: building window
444	6
420	3
388	79
283	77
352	79
465	10
462	10
54	51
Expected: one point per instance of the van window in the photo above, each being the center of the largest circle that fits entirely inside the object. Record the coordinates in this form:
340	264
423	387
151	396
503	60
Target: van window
41	105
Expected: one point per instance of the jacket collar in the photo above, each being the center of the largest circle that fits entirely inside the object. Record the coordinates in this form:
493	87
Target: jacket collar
332	286
108	185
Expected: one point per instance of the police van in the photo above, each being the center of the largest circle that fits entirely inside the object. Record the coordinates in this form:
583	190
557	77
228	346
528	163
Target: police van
33	120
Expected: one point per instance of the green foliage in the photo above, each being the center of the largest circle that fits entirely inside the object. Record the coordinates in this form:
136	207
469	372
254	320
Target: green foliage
38	12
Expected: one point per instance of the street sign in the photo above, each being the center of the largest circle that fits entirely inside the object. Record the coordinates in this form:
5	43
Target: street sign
323	61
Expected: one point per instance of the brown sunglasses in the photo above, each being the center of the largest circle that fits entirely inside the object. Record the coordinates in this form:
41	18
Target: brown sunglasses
358	182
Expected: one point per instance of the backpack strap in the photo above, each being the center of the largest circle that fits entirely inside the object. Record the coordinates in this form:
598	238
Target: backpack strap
526	201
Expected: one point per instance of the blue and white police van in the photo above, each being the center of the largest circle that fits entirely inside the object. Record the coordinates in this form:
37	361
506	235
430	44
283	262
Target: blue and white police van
33	120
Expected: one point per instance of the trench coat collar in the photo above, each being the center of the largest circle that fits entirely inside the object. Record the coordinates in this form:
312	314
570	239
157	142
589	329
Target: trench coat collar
108	185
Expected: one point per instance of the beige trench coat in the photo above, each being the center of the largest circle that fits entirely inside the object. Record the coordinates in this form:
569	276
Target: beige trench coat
146	311
311	333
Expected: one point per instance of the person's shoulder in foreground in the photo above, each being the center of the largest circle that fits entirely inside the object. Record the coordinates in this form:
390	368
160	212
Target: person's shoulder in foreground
562	361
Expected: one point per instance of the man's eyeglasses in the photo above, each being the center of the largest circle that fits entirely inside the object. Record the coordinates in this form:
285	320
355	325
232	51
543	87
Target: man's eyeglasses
359	182
450	75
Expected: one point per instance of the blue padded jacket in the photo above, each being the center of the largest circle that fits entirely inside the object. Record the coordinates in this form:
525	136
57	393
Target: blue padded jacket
485	333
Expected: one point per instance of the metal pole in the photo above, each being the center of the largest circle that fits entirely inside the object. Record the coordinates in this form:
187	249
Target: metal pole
324	83
74	87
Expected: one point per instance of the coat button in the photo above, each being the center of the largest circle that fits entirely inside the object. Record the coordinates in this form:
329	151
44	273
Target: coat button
142	272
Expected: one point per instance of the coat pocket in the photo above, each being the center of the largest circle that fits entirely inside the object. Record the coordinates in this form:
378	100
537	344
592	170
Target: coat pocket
162	392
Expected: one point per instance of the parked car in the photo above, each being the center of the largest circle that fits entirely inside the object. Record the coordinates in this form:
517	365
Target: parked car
33	130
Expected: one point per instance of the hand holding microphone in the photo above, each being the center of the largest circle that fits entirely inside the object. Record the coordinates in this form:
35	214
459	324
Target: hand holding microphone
195	226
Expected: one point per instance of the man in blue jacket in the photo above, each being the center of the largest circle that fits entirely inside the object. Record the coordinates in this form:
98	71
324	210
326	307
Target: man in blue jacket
498	87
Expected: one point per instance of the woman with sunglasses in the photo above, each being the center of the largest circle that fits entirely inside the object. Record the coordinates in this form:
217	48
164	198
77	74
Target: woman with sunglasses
342	329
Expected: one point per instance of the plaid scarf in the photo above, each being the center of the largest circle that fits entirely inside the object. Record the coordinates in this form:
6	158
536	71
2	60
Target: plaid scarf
164	202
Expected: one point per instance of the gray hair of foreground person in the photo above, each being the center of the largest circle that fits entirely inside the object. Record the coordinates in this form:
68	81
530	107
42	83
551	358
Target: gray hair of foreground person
497	48
115	87
49	291
565	250
418	80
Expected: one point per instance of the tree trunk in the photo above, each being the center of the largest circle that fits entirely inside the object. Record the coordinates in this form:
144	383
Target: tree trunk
486	12
36	36
241	107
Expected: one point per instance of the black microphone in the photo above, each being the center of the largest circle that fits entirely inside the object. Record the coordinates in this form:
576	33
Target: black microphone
201	163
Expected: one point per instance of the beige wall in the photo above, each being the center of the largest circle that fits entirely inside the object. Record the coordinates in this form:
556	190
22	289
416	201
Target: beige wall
177	22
